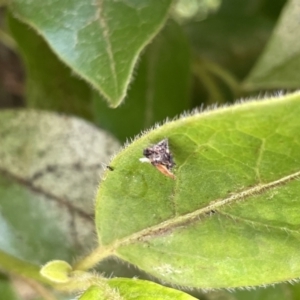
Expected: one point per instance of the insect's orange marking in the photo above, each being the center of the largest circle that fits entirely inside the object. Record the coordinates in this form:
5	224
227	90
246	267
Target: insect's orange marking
163	169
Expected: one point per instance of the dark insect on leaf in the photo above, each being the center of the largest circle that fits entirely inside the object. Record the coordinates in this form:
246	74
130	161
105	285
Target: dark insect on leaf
160	157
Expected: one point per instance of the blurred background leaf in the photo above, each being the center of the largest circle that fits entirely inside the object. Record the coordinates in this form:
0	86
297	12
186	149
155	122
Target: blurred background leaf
278	67
50	166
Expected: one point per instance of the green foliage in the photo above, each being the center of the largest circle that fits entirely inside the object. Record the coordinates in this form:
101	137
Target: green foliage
140	289
230	212
89	34
32	158
229	217
133	289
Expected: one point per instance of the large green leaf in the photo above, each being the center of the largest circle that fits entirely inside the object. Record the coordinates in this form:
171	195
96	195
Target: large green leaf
285	291
231	216
142	289
279	65
282	291
49	83
100	40
49	168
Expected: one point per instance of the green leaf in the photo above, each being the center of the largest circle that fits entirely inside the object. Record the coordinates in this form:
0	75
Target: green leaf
278	292
49	170
230	218
283	291
133	289
99	40
145	290
279	64
160	89
49	84
93	293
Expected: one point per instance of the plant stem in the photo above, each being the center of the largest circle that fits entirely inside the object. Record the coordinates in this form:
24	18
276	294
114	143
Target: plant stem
93	258
16	266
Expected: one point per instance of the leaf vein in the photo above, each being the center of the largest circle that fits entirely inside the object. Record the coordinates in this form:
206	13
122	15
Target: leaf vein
106	36
256	223
180	221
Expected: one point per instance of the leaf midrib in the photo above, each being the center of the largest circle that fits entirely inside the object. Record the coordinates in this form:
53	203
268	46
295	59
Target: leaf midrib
164	227
109	50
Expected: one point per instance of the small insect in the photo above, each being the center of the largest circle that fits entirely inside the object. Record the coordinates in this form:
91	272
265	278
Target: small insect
160	157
